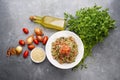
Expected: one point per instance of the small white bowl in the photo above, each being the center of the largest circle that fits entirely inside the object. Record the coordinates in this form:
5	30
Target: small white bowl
33	53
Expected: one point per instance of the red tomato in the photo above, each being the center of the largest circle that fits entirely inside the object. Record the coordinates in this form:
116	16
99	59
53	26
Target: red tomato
39	38
31	46
25	54
45	39
22	42
36	41
25	30
64	49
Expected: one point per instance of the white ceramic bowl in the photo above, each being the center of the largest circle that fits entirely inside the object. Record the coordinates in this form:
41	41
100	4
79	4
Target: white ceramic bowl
64	34
33	53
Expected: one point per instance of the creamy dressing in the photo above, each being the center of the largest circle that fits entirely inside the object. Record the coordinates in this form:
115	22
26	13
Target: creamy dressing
38	55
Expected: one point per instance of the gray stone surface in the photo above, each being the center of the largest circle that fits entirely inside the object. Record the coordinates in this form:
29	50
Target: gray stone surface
14	14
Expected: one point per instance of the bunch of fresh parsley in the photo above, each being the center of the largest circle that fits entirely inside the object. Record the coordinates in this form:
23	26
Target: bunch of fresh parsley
92	25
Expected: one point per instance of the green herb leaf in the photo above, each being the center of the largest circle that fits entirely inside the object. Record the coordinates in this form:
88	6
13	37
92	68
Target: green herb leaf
92	25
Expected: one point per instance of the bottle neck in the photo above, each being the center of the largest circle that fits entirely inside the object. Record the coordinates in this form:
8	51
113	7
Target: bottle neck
38	19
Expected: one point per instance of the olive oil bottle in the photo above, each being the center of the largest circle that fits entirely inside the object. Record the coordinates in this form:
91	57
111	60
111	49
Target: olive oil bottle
49	22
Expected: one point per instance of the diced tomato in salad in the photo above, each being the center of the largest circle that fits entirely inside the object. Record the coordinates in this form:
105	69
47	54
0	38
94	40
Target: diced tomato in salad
64	49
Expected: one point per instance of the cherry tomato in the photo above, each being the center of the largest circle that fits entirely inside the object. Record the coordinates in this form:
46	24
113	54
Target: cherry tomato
39	38
22	42
36	41
31	46
25	54
25	30
45	39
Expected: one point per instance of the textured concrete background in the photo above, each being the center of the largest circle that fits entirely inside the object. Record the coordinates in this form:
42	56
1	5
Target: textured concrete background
14	14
